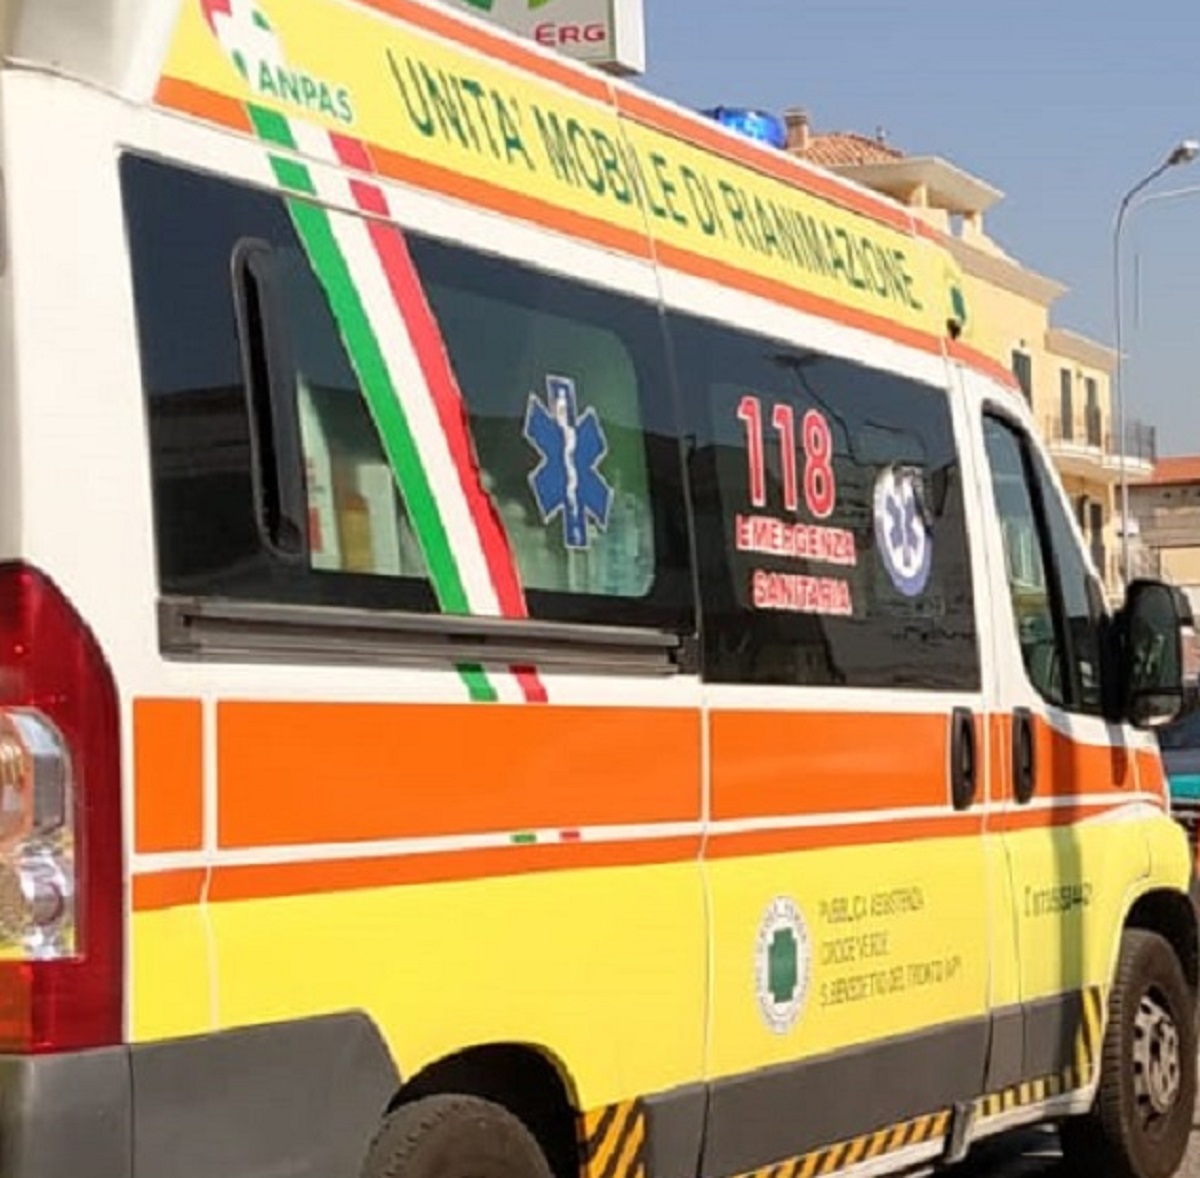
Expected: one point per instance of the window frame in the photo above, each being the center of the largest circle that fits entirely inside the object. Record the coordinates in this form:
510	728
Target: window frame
269	604
959	675
1072	701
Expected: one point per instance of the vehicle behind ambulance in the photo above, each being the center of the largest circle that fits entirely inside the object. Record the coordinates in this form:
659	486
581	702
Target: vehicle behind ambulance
534	643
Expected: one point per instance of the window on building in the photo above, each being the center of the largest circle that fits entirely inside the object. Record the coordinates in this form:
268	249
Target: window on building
1095	533
1066	410
1095	424
829	515
1022	367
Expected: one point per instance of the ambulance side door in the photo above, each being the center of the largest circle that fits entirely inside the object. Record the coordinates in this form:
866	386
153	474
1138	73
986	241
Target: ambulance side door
843	688
1065	776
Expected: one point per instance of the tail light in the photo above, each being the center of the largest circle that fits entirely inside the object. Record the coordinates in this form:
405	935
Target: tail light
61	866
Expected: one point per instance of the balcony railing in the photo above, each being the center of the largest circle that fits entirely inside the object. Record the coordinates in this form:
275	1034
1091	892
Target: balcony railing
1082	429
1082	439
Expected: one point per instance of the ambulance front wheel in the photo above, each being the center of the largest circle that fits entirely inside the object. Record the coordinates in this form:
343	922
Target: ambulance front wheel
454	1137
1142	1116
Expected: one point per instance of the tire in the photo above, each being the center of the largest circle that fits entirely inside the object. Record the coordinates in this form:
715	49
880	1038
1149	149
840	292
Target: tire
1139	1124
454	1137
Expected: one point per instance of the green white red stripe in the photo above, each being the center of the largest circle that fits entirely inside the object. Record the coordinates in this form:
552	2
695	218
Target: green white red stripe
398	354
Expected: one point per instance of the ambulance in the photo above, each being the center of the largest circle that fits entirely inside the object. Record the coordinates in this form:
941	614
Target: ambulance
534	643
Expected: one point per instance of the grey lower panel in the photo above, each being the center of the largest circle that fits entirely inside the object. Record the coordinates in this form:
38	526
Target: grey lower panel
66	1116
1051	1025
301	1099
288	1100
787	1111
675	1132
1007	1060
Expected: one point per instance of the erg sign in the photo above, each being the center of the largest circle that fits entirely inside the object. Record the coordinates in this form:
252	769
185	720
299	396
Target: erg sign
609	34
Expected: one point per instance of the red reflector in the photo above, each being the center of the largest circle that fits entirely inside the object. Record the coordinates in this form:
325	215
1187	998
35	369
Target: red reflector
51	662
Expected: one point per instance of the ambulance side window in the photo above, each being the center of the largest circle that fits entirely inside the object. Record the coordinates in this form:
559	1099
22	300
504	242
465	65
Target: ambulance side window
1057	605
830	519
468	435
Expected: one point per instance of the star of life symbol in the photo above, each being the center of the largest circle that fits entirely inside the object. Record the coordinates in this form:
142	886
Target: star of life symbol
572	445
902	536
782	964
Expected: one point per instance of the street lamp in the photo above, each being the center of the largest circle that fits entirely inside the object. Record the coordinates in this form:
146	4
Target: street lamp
1182	153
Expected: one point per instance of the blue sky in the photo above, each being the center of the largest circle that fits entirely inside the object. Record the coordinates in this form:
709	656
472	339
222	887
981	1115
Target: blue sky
1063	107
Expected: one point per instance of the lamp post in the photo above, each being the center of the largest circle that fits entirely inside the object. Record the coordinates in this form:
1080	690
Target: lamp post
1182	153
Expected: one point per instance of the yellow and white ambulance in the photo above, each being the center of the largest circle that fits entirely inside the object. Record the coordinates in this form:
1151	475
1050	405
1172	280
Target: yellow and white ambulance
532	643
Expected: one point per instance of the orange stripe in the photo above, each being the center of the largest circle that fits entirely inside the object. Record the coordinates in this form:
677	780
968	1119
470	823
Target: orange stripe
327	773
778	165
168	755
292	879
511	204
1151	777
203	103
167	889
771	763
980	361
1065	768
725	274
1045	819
999	728
811	838
922	228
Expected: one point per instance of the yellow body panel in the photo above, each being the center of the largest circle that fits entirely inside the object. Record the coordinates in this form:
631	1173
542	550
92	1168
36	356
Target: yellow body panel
169	974
604	969
897	941
1074	885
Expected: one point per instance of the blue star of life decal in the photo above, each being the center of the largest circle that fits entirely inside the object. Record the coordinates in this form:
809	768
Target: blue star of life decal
902	537
571	445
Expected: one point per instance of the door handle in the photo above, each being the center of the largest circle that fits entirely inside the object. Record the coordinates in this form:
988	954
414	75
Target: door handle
1024	756
964	760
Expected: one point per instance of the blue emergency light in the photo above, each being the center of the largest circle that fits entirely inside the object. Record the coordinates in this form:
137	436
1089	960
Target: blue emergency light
754	124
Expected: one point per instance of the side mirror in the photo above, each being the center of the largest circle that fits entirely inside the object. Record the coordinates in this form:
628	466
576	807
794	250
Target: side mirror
1151	625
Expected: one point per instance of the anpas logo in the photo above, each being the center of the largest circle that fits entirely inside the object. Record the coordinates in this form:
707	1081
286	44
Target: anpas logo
246	35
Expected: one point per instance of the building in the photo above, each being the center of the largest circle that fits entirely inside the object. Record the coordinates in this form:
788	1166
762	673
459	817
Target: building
1166	511
1066	377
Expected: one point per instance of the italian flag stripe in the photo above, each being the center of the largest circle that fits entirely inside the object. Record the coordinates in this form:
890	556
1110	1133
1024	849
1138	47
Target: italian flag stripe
442	387
397	352
317	234
369	278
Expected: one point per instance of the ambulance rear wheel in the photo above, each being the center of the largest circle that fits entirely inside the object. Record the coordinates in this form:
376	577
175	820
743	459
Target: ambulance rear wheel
1139	1124
454	1137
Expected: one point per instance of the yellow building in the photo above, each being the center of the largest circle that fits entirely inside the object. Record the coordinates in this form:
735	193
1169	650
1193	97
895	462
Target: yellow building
1066	377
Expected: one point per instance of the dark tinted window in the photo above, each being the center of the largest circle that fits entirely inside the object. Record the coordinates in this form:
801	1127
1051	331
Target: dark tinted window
570	441
830	519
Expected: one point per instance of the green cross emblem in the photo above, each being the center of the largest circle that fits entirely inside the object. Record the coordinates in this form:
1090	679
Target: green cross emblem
783	972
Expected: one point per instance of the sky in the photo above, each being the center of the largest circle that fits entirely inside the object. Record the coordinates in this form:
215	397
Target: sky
1063	106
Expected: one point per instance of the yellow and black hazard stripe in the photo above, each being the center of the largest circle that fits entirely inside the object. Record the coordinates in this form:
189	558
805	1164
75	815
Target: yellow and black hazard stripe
612	1141
832	1159
1078	1072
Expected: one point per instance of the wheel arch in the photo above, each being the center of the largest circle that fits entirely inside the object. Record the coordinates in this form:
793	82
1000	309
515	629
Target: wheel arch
1172	916
529	1081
